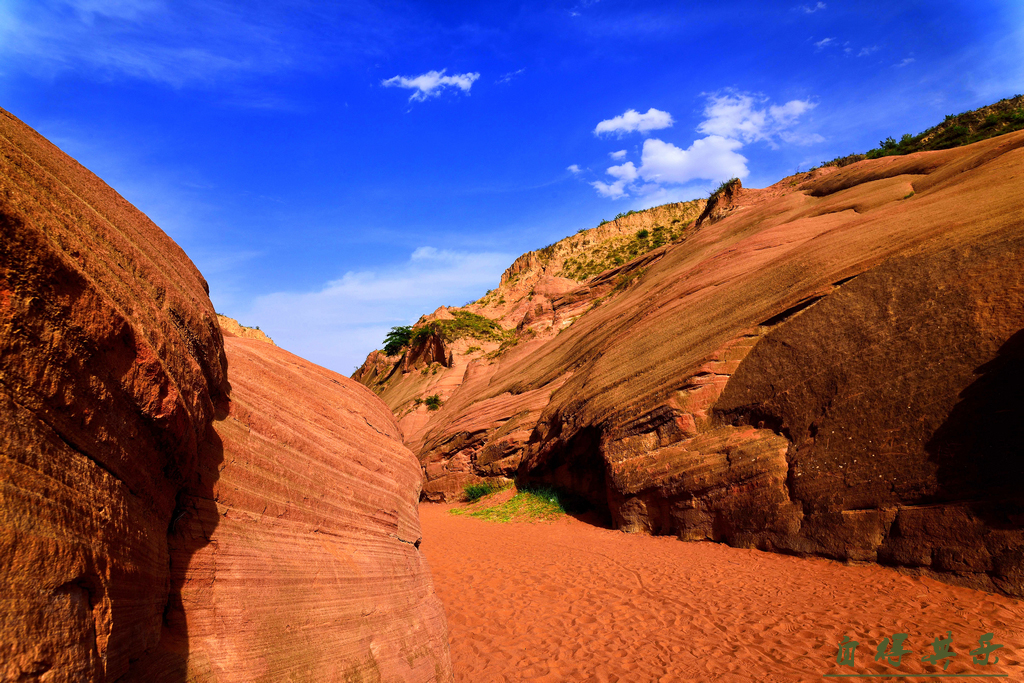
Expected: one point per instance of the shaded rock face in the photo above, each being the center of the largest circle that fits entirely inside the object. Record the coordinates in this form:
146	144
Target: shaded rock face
116	421
828	366
111	362
430	349
305	564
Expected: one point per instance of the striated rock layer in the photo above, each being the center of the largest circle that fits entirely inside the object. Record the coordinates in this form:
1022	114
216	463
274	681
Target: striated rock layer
830	365
110	363
305	562
117	419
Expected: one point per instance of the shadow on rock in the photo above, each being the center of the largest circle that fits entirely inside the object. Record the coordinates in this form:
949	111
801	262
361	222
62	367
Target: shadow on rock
192	525
978	448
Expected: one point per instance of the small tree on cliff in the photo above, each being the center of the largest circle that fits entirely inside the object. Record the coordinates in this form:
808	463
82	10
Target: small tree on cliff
397	339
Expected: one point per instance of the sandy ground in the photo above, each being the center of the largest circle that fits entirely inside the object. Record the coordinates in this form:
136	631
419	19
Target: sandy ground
567	601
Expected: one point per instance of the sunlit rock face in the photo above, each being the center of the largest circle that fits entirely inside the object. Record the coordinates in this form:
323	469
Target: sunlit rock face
304	563
829	366
118	420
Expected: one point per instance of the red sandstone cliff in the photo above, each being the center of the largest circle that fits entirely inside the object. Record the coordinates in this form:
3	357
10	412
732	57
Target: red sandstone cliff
824	366
157	522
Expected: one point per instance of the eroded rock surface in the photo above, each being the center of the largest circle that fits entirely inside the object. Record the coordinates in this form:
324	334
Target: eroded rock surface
110	364
122	556
822	366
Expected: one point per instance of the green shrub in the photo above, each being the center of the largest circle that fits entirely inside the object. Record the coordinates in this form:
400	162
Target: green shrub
397	339
642	234
433	402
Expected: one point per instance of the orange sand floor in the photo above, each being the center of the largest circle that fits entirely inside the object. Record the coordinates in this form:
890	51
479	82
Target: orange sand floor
567	601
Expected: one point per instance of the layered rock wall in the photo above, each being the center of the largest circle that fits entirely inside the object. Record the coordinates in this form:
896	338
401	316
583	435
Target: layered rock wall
111	362
822	366
304	563
123	556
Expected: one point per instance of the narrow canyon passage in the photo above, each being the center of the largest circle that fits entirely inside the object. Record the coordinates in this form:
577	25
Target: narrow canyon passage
566	601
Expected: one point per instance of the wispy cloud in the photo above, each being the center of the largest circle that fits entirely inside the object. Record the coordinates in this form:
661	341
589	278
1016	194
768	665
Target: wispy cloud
633	121
505	78
865	51
431	84
905	62
212	43
339	323
811	9
823	43
581	5
574	169
621	154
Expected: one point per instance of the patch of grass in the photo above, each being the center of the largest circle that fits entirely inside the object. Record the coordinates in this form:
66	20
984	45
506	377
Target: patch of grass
724	186
909	195
464	324
617	251
471	349
528	505
475	492
1004	116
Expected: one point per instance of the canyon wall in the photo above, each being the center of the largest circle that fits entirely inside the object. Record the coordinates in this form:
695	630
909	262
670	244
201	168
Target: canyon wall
116	562
824	366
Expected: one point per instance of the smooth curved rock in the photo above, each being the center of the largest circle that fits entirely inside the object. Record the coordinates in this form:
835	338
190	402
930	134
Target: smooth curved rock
123	556
305	563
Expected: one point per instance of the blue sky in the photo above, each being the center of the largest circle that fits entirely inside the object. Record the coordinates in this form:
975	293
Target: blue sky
338	168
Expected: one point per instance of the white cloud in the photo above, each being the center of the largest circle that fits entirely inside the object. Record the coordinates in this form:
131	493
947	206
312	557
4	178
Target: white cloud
865	51
341	322
787	113
710	158
624	174
733	116
732	120
626	171
431	84
614	190
738	116
633	121
574	169
811	10
908	60
823	43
